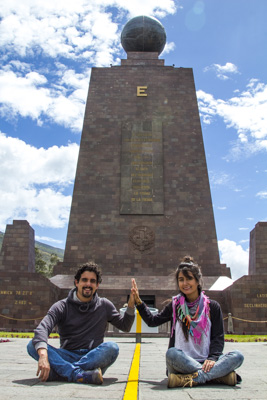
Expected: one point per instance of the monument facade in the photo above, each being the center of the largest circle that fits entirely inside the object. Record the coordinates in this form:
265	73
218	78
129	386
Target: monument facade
142	198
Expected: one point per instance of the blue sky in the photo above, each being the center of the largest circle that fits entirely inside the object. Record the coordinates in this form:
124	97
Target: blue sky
47	51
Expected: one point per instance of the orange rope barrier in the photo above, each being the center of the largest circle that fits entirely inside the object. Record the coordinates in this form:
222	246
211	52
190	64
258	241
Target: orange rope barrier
247	320
20	319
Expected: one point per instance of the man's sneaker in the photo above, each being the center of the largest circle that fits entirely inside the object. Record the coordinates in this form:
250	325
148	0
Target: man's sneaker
230	379
93	377
182	380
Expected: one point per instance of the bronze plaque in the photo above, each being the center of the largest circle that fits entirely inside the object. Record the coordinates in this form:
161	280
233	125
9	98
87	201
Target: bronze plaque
142	168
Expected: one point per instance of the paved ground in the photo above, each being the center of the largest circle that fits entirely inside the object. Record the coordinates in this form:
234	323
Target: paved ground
18	381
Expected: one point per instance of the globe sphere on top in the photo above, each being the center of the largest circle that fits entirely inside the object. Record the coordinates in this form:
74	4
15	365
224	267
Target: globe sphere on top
143	34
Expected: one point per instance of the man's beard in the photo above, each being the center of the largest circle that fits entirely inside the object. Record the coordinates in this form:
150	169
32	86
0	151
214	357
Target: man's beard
87	294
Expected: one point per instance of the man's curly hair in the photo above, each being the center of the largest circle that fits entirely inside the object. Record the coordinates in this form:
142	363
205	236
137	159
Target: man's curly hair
90	266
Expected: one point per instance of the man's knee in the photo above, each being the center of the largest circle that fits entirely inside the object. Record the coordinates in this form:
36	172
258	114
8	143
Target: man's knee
114	348
31	350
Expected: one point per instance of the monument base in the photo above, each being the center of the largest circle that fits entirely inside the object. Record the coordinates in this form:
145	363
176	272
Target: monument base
25	300
246	300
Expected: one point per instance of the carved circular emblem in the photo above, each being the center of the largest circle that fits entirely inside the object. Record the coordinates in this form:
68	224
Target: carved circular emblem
142	238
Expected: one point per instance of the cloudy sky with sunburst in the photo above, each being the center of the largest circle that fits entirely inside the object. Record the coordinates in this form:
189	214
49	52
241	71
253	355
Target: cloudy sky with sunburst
47	52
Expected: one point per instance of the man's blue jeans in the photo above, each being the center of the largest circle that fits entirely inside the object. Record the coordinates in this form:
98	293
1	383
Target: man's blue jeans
179	363
68	364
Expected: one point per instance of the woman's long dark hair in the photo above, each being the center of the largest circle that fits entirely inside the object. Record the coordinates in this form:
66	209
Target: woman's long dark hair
189	265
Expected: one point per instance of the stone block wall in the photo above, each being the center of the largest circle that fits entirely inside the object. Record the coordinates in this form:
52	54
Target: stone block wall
18	252
258	249
161	101
246	300
24	299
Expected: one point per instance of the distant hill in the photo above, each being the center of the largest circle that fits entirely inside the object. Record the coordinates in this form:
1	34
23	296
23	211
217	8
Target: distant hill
45	249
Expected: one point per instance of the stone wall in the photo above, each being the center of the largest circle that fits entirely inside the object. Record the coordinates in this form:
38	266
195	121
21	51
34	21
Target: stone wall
258	249
25	296
141	197
24	299
246	300
18	253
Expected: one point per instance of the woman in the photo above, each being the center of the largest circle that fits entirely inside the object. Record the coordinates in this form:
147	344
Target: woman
196	342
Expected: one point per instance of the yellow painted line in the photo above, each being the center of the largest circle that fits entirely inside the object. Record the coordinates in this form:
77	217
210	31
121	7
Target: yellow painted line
131	390
138	322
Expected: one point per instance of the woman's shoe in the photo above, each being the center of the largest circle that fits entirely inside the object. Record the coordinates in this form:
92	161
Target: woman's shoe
229	379
182	380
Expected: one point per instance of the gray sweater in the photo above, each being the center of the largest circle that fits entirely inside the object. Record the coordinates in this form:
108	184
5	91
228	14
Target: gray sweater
81	325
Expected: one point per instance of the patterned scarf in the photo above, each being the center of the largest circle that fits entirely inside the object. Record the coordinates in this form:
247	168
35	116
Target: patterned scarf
197	324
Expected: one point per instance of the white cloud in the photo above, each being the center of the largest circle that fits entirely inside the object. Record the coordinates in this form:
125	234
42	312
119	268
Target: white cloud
219	178
262	194
222	71
82	32
48	239
156	8
221	208
243	229
66	28
24	94
169	47
235	257
246	113
32	182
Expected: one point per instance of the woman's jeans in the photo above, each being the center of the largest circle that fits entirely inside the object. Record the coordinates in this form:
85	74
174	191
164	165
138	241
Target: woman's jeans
179	363
68	364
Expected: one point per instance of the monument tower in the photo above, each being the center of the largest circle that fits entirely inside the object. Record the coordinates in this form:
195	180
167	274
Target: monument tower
141	197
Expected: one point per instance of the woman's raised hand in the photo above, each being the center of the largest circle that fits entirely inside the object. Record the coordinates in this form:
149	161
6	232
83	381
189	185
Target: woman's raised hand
135	292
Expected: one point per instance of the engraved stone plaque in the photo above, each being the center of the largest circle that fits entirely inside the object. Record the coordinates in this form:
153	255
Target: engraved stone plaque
142	168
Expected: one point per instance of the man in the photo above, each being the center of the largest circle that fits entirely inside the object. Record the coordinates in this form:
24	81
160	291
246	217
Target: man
81	320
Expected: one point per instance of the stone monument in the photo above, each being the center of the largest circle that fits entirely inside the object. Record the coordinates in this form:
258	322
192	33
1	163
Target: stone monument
141	197
25	295
247	297
17	253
